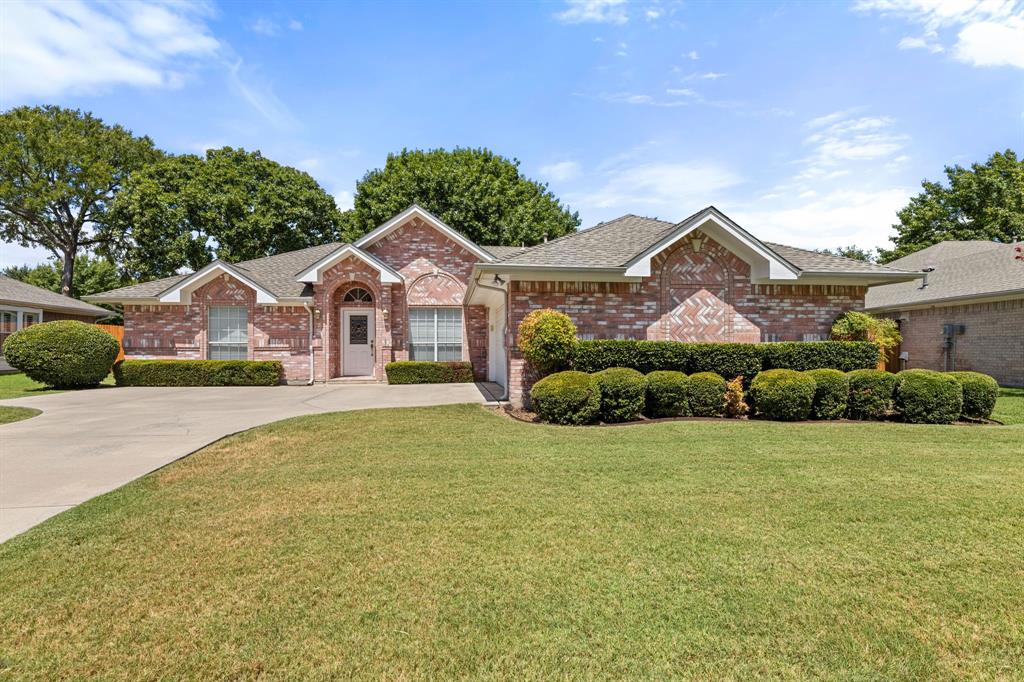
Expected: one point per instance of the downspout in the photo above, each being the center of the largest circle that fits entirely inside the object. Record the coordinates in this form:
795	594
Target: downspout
310	311
504	295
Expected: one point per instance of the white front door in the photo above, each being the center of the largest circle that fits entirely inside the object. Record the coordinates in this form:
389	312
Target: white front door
357	342
496	357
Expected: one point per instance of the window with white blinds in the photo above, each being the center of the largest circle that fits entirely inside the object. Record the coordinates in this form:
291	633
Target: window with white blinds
435	334
228	333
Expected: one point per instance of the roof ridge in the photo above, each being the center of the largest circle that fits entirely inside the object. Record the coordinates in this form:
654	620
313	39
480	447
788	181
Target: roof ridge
591	230
335	245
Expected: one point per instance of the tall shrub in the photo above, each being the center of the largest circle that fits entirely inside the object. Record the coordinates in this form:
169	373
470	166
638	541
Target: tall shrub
547	339
643	356
62	354
858	326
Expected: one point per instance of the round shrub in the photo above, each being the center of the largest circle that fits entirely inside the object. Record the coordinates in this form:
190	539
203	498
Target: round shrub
980	393
567	398
622	394
926	397
831	392
706	394
783	394
667	394
63	354
871	393
547	339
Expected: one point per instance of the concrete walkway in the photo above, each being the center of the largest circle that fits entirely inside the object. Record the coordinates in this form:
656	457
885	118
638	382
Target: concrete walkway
86	443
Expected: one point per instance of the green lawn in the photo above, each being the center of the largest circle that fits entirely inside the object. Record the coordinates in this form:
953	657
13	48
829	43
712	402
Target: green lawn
18	385
15	414
450	541
1010	406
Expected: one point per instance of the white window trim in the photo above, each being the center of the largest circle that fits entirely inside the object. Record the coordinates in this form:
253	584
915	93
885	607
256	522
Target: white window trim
182	291
20	313
462	330
210	344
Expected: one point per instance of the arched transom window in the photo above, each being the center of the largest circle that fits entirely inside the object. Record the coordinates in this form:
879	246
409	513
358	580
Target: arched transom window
357	295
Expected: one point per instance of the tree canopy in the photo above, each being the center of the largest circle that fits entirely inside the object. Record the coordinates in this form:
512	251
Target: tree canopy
985	201
184	211
475	191
92	275
59	170
852	251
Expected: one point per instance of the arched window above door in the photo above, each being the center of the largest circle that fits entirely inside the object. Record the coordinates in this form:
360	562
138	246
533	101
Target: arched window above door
357	295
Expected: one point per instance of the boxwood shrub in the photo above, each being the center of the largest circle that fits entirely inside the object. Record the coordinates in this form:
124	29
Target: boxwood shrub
730	360
547	339
667	394
643	356
421	372
198	373
871	392
980	394
844	356
62	354
623	391
567	398
927	397
783	394
831	393
706	394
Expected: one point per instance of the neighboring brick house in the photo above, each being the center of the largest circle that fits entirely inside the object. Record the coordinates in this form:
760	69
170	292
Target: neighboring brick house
23	305
415	289
967	315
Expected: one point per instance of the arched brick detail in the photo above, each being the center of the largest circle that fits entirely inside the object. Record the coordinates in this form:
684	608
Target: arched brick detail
698	294
436	288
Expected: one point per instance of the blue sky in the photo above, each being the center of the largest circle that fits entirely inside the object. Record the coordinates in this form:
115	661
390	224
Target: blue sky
809	123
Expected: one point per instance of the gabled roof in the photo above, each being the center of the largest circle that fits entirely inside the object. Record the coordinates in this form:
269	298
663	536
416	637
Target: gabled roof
22	295
964	270
625	241
314	273
416	211
181	291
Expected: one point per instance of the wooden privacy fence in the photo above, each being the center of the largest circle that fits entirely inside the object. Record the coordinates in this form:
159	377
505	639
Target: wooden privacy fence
117	331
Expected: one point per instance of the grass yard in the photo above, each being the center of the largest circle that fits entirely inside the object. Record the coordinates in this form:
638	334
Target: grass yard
15	414
1010	406
18	385
450	541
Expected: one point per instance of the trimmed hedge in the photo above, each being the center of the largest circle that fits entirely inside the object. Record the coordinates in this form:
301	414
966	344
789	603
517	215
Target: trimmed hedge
567	398
643	356
927	397
844	356
831	393
198	373
980	394
706	394
728	359
62	354
871	392
667	394
420	372
622	394
783	394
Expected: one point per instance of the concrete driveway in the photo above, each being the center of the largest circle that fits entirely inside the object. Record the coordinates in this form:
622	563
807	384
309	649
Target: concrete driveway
86	443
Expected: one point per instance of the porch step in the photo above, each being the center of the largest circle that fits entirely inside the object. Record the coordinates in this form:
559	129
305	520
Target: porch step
354	381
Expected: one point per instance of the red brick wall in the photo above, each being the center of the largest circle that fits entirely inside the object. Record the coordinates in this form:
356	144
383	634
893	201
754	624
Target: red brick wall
993	341
696	292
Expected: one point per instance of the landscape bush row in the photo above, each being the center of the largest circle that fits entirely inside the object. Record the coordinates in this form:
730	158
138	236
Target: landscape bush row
198	373
622	394
420	372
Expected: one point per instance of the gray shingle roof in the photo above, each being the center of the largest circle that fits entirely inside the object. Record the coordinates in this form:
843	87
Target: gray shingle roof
503	252
971	269
276	274
21	294
815	261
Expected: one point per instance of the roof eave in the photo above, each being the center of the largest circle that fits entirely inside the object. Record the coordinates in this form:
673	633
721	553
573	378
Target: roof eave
949	300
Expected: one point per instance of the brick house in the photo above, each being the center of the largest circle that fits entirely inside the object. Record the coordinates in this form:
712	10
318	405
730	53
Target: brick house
968	313
416	289
23	305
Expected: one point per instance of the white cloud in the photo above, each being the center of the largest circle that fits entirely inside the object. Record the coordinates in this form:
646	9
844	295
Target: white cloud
49	49
260	96
652	13
562	171
861	216
692	54
681	92
989	32
647	100
839	138
295	25
594	11
265	27
344	200
657	186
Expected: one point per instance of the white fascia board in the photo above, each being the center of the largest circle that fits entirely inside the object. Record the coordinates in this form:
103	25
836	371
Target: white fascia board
429	218
767	264
182	291
314	274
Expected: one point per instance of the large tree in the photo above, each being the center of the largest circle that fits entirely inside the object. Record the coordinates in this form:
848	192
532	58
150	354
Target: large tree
183	211
59	170
475	191
985	201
